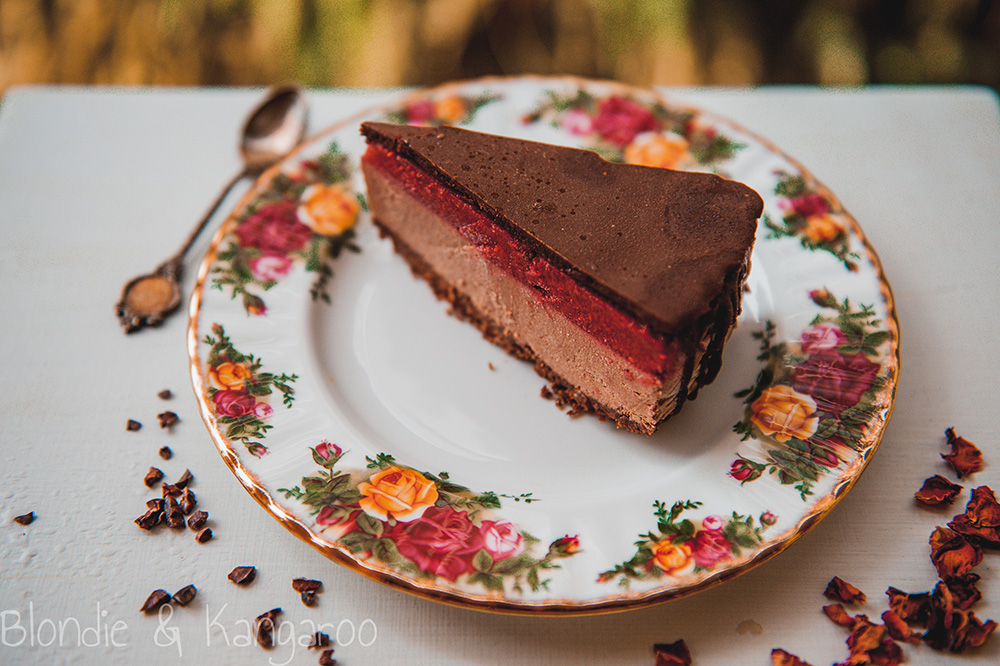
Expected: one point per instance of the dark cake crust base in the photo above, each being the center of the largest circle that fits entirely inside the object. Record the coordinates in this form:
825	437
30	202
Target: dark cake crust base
558	389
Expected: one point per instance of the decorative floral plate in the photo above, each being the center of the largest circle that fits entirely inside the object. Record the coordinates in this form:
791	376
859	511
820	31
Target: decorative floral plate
397	441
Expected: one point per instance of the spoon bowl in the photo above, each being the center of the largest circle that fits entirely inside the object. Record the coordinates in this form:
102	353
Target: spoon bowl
272	130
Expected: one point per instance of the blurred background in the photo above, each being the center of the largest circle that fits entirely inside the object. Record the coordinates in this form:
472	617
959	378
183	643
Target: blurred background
410	42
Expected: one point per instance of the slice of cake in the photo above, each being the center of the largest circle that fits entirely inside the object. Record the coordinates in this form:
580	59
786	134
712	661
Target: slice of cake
620	283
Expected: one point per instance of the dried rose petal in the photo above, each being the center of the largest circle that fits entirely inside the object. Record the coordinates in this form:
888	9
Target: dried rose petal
185	595
243	575
965	458
838	614
951	628
953	554
25	519
781	657
982	508
156	599
672	654
870	643
981	519
963	590
898	629
937	490
865	635
912	608
840	590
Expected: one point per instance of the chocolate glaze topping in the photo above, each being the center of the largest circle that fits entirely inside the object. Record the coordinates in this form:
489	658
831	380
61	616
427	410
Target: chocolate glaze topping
664	245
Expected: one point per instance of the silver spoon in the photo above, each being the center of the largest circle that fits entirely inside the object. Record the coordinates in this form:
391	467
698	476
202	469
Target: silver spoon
274	127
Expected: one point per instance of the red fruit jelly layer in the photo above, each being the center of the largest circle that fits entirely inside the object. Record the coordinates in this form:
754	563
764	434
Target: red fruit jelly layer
617	330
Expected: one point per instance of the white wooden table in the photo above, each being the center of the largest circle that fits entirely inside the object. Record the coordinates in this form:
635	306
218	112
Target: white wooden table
98	185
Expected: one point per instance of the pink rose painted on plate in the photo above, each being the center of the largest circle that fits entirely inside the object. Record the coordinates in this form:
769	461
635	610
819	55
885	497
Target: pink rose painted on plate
274	229
501	538
441	542
425	524
270	267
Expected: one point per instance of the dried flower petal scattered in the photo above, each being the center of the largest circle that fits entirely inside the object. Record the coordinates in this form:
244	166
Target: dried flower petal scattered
839	615
781	657
953	554
840	590
965	458
672	654
981	520
937	490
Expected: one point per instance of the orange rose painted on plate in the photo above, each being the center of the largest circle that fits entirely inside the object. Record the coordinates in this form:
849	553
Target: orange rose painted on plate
666	150
402	494
328	209
824	228
784	413
670	557
229	375
449	109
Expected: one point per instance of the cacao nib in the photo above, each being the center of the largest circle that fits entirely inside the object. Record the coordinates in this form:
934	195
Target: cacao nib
150	519
153	602
188	502
264	626
25	519
152	477
306	585
243	575
197	520
167	419
170	490
185	595
185	480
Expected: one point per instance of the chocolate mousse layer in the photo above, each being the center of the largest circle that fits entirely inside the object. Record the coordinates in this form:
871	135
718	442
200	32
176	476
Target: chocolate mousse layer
603	351
659	243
